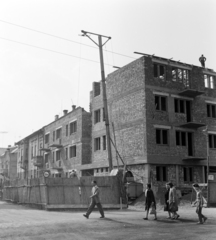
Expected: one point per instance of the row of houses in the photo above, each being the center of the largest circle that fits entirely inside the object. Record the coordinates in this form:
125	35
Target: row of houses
162	116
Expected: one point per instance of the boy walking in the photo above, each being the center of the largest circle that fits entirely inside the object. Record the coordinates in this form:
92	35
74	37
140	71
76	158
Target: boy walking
95	200
199	203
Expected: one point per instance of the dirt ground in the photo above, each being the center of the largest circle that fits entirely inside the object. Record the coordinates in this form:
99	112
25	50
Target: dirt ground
23	223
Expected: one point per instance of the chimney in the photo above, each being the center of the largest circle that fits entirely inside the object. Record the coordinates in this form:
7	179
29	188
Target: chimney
56	117
73	107
65	112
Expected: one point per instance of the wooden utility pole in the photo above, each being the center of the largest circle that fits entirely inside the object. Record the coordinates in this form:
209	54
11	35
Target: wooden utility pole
100	45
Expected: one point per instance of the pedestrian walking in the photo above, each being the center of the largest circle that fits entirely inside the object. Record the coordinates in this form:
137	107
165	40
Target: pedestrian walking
173	203
166	196
199	203
95	200
150	202
202	60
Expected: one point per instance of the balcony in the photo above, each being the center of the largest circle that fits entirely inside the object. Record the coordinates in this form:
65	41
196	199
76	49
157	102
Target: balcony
192	125
38	161
193	158
192	93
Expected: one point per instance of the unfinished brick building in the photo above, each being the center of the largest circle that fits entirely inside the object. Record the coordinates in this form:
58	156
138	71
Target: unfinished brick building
67	143
164	117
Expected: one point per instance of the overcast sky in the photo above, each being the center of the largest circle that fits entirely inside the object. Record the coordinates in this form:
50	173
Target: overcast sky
37	84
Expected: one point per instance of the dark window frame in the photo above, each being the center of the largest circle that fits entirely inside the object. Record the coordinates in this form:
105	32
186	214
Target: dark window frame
162	136
47	136
97	144
188	174
212	141
160	103
58	133
97	116
46	158
58	155
73	127
159	71
161	173
104	143
73	151
211	110
66	130
180	105
181	138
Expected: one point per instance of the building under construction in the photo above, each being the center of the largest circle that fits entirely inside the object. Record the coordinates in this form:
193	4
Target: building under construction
162	117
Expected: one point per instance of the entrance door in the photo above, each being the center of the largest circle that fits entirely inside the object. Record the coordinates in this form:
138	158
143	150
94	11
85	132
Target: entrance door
190	143
188	111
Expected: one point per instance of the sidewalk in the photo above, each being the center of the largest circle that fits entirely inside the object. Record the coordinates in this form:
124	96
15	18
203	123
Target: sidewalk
21	223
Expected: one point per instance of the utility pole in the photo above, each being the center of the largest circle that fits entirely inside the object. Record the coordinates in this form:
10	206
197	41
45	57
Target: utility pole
100	45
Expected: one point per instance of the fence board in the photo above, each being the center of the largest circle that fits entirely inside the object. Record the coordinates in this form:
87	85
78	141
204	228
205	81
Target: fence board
63	192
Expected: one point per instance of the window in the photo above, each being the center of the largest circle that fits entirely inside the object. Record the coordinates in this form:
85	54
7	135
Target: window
212	140
162	136
160	103
180	105
32	152
47	138
53	136
159	71
211	110
58	155
66	153
53	157
97	144
46	156
181	138
161	173
66	130
104	142
97	116
58	133
188	174
209	81
180	75
73	127
96	89
72	151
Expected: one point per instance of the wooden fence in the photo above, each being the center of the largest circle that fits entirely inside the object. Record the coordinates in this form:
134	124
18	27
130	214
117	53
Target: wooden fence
64	193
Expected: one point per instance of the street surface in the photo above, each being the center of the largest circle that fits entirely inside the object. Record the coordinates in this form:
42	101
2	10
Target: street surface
22	223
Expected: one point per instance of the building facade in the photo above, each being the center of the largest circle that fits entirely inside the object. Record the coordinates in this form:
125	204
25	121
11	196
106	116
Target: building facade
67	143
8	163
162	117
29	151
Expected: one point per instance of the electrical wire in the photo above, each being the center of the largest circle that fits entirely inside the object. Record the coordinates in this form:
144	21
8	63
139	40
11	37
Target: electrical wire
49	50
62	38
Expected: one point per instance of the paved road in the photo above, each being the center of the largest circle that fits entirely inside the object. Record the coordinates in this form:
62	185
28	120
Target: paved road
22	223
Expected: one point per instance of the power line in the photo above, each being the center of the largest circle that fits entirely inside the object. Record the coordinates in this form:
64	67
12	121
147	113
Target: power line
62	38
41	48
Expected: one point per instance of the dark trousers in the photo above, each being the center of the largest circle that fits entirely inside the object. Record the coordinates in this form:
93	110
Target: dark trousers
91	207
199	213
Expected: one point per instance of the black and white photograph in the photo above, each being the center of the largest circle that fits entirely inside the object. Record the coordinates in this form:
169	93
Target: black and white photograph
107	119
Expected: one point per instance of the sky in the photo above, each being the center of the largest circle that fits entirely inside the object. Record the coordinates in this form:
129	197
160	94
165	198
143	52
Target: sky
46	66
